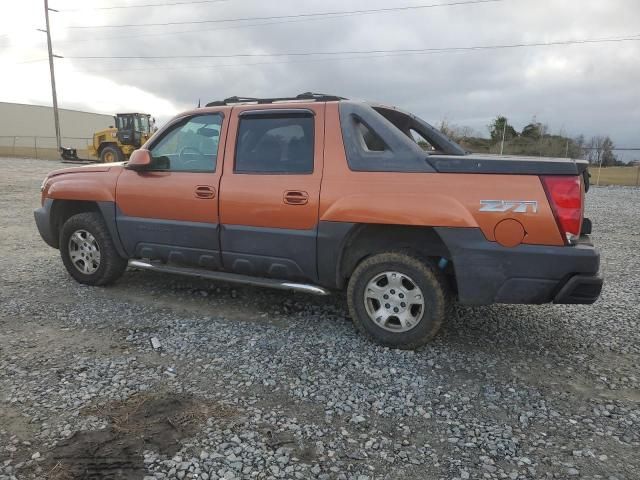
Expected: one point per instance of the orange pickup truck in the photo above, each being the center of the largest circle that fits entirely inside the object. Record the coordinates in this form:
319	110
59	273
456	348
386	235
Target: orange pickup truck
318	193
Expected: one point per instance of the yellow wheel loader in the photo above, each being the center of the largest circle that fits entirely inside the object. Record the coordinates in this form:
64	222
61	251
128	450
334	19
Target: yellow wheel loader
116	144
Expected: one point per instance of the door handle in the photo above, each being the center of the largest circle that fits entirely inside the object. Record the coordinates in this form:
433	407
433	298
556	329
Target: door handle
296	197
205	191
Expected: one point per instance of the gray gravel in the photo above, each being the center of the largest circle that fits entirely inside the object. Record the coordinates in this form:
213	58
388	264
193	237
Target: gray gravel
505	392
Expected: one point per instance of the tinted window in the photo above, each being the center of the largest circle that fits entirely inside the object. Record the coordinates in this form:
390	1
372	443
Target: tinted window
191	146
369	139
275	144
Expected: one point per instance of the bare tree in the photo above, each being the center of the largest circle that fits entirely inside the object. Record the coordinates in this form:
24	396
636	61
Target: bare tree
455	132
593	149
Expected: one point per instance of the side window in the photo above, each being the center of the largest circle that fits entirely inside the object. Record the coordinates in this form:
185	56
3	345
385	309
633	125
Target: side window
278	143
421	141
369	140
191	146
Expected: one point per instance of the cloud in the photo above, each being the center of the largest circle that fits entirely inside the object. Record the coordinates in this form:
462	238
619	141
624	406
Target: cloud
590	89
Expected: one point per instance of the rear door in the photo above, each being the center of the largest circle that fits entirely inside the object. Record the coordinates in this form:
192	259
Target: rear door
170	211
269	194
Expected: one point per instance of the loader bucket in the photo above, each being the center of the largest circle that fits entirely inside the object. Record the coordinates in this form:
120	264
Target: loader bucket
69	153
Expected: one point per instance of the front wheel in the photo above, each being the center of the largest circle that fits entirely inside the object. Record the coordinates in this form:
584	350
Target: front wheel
111	154
88	252
398	299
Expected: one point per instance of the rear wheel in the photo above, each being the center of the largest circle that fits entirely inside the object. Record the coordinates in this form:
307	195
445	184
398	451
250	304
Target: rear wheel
398	299
88	252
111	154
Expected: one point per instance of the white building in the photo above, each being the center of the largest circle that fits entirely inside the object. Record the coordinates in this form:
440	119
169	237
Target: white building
28	130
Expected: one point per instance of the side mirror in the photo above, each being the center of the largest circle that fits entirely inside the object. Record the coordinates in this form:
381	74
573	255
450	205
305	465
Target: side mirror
140	160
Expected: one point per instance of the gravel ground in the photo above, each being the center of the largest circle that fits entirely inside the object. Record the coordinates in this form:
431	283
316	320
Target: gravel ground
252	383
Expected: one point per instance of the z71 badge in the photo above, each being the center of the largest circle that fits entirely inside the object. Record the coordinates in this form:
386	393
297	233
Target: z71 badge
516	206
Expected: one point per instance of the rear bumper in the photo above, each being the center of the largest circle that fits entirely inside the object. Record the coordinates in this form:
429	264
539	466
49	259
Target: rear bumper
488	273
584	289
43	222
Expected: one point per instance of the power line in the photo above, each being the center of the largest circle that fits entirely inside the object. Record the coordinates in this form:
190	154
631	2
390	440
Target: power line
191	66
200	30
297	15
369	52
224	65
625	149
118	7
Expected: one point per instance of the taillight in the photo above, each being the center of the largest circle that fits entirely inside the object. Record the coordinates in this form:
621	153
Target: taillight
565	197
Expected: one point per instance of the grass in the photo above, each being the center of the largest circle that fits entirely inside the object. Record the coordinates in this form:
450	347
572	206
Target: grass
616	176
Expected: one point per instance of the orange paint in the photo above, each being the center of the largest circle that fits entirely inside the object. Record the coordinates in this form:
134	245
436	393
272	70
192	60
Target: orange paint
174	195
334	192
509	233
257	200
92	183
427	199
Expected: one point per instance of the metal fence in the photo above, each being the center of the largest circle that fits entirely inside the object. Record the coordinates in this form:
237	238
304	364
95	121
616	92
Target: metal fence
40	147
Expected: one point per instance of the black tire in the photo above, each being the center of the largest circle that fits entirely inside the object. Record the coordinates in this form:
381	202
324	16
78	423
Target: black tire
426	276
114	151
111	265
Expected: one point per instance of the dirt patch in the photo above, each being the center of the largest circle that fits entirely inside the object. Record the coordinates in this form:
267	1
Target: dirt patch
15	423
143	422
98	455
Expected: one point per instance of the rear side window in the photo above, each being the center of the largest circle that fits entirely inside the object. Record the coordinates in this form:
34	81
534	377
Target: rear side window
369	140
374	144
275	143
420	140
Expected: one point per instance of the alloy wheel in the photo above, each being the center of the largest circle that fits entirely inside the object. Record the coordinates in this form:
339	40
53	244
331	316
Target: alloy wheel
394	301
84	252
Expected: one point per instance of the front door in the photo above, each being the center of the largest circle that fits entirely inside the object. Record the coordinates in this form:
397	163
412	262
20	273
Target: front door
269	194
170	211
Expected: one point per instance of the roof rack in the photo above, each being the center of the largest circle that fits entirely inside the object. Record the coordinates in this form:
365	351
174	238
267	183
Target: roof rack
303	97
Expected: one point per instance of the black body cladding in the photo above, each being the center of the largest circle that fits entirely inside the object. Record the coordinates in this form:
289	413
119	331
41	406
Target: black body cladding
403	154
477	163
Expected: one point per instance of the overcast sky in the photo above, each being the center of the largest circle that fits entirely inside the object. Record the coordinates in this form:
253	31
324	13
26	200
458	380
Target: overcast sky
590	89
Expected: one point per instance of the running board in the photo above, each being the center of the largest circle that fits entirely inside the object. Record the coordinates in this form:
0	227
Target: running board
230	277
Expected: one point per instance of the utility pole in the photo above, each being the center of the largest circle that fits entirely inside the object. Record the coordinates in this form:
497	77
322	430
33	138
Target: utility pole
504	133
56	118
599	167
